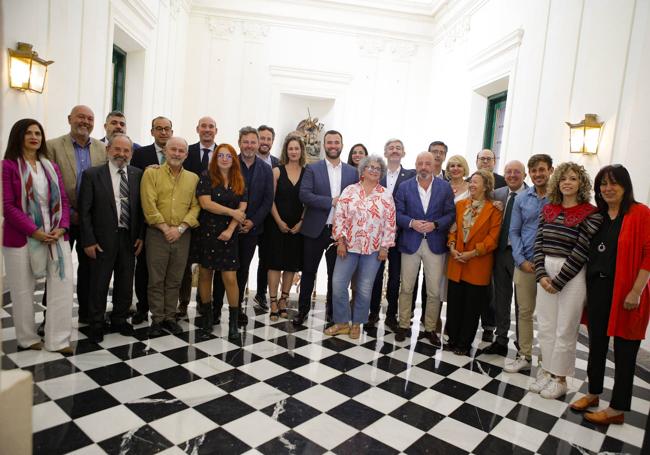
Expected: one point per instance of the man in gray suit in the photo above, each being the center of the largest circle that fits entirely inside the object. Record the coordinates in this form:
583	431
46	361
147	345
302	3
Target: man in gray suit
321	186
504	265
74	153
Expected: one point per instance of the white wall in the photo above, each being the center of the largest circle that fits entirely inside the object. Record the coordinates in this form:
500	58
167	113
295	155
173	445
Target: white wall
562	59
78	35
267	62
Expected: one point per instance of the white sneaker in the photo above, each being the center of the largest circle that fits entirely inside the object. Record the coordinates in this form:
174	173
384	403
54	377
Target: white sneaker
554	389
543	378
517	365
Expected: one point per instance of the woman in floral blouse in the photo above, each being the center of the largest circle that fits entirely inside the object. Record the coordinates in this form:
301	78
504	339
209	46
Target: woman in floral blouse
364	229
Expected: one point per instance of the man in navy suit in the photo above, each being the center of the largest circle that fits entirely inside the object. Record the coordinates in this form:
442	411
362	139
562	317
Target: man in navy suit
320	189
259	184
149	155
111	222
267	136
198	159
394	152
425	211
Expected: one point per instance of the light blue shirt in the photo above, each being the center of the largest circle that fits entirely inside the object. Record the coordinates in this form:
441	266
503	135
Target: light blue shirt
523	224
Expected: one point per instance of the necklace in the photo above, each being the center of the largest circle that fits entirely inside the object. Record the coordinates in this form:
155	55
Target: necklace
601	246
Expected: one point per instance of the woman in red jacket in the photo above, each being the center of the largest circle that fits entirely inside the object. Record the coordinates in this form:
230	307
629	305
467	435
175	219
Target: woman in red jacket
618	300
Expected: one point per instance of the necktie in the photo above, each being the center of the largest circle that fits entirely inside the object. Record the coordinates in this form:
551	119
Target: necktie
205	159
124	200
505	225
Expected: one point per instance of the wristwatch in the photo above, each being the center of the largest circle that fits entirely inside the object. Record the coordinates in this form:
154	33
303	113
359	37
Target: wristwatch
181	229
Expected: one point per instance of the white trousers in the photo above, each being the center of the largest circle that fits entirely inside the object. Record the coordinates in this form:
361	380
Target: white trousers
21	283
558	319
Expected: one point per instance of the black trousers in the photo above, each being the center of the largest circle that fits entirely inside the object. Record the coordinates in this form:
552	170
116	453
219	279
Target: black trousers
464	302
599	301
247	244
120	263
142	281
488	313
312	253
392	287
502	275
83	271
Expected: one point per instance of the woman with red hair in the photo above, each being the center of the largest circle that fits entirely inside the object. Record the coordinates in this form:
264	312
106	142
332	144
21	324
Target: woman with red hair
222	196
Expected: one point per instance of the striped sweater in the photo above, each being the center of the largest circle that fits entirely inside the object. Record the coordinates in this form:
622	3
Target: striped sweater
559	237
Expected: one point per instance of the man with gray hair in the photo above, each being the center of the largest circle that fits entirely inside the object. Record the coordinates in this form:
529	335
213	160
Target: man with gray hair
111	234
425	211
396	174
170	207
504	265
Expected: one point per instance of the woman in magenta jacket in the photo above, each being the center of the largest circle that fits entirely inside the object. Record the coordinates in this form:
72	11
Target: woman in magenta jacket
34	246
618	299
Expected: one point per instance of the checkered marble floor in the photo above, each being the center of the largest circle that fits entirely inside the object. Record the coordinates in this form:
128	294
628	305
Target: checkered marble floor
295	390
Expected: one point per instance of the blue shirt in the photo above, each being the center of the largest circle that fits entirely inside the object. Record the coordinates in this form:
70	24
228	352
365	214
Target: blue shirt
82	160
247	171
523	224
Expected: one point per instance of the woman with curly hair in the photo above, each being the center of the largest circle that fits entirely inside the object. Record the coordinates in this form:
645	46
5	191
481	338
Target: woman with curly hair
567	224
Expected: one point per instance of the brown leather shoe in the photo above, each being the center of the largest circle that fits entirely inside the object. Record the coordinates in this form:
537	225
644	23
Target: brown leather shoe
66	351
601	418
355	331
337	329
585	402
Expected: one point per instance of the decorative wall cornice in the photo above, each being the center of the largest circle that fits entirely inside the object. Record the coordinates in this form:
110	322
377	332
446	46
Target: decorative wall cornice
221	28
497	49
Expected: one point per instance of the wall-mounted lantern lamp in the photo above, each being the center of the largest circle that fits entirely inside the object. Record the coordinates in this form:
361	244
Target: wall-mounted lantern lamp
27	71
585	136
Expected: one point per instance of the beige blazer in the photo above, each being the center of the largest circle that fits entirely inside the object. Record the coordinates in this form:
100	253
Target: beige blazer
61	151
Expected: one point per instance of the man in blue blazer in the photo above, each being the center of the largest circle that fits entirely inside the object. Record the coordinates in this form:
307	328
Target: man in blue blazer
259	185
321	186
396	175
425	210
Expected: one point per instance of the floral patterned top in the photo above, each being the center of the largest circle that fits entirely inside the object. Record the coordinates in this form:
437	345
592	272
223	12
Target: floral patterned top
367	222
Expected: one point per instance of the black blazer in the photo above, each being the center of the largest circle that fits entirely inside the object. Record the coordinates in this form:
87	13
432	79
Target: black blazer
144	156
193	161
404	174
97	211
499	181
260	195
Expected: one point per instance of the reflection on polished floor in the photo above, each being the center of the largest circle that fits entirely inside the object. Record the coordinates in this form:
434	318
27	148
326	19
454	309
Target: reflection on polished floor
294	390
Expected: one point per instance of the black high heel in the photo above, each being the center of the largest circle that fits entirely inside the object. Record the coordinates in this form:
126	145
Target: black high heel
274	315
282	305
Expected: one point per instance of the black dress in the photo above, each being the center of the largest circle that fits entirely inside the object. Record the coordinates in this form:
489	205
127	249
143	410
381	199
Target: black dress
284	251
207	250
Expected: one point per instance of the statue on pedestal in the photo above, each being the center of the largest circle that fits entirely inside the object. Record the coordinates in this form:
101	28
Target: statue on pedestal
310	130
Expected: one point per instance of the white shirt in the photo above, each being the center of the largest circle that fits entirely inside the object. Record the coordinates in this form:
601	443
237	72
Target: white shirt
211	148
334	174
159	152
115	180
40	185
266	159
425	195
391	179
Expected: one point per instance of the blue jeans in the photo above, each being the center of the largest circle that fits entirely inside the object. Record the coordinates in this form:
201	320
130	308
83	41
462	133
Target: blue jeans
366	266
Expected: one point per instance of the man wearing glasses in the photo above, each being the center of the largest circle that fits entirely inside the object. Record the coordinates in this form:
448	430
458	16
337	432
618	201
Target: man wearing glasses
149	155
438	150
486	159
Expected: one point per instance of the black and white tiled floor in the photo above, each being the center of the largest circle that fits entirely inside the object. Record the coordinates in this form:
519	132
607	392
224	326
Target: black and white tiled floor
286	390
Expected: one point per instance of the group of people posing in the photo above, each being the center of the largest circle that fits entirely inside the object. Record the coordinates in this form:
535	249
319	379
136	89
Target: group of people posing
149	213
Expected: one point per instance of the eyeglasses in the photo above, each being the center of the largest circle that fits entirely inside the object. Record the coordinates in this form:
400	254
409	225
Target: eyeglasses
485	159
437	152
160	129
374	169
224	156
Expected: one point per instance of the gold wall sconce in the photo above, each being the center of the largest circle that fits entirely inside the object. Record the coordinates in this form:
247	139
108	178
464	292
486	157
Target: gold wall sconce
27	71
585	136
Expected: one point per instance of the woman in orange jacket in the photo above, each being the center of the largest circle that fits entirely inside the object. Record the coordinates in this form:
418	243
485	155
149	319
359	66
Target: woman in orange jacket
472	239
618	295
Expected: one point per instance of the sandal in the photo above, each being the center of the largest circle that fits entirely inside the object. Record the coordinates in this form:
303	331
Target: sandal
282	305
355	331
274	315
